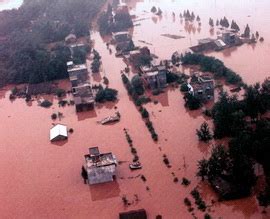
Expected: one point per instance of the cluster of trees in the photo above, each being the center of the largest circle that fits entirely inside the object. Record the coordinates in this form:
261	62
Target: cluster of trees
189	16
224	22
242	121
211	64
156	11
109	22
142	58
211	22
80	53
235	26
24	55
95	66
229	171
107	94
246	32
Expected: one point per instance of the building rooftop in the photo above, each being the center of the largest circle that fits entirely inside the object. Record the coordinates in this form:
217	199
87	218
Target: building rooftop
220	43
76	67
206	40
83	94
58	132
100	167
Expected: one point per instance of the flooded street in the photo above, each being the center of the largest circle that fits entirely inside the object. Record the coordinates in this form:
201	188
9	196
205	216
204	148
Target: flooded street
42	180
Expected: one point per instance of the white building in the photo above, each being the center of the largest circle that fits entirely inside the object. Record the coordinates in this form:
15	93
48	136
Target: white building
58	132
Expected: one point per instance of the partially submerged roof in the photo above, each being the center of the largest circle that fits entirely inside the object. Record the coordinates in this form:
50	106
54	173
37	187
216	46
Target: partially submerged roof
58	132
100	168
206	40
220	43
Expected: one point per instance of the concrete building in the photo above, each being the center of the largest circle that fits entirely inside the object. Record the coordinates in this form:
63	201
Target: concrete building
202	87
121	37
78	74
155	77
83	97
101	168
58	132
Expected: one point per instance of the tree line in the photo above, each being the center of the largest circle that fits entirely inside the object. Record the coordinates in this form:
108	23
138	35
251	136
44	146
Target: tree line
244	123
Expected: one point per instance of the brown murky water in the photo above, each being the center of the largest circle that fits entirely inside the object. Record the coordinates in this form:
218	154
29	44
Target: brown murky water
42	180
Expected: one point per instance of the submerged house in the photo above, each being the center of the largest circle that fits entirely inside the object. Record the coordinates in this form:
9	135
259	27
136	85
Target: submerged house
83	97
154	76
202	87
209	44
119	37
122	41
58	132
101	168
78	74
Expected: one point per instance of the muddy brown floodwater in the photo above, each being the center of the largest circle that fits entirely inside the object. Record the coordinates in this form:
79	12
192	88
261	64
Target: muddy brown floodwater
42	180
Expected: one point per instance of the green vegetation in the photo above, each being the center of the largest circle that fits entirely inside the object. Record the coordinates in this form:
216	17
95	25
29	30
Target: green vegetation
80	53
185	181
107	94
60	92
154	9
211	22
24	54
235	26
198	199
224	22
231	170
192	102
137	101
213	65
109	22
95	66
246	32
204	133
45	103
137	84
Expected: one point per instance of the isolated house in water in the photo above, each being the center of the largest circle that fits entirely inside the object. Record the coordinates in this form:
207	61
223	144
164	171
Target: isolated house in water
58	132
83	97
101	168
155	76
202	87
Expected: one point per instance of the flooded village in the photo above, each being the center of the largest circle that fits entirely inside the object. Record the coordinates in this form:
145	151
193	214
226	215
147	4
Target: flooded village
118	138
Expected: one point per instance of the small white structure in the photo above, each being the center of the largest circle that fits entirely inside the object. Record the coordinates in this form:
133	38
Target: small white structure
58	132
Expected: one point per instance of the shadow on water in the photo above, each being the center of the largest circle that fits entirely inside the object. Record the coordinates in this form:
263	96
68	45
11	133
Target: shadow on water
86	115
104	191
107	105
60	143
